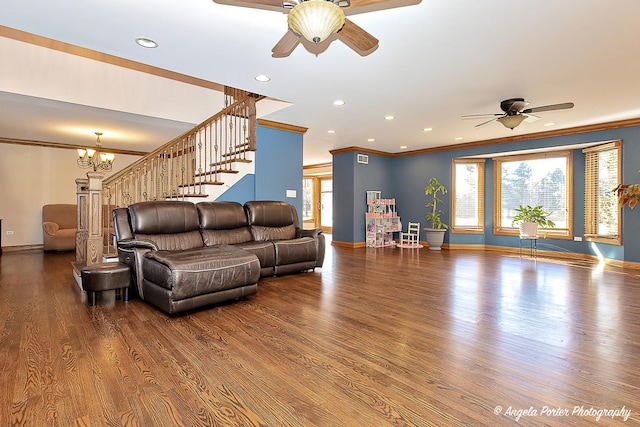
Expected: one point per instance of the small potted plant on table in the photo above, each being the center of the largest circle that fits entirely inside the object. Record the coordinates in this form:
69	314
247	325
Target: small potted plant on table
529	218
435	234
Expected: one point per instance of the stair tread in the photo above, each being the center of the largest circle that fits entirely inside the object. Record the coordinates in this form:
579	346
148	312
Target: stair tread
201	183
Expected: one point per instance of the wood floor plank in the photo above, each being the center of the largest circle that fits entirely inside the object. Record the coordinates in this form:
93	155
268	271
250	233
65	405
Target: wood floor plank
376	337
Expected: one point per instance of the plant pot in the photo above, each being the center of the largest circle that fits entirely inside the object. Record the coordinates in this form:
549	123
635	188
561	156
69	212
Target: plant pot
435	237
528	229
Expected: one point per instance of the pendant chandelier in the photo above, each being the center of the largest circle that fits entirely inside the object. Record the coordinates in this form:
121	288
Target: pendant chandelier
94	158
315	20
512	121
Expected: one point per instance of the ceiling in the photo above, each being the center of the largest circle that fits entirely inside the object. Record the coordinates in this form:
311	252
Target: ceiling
436	61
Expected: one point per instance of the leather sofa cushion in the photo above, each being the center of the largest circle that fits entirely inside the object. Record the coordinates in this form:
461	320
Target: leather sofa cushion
223	223
170	225
221	215
271	213
261	233
193	272
263	250
296	250
163	217
174	242
226	237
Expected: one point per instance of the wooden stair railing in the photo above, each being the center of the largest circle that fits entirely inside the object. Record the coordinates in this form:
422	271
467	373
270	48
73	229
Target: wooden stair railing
184	166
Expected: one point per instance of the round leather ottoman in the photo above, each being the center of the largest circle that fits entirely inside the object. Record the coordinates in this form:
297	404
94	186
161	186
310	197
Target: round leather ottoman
105	277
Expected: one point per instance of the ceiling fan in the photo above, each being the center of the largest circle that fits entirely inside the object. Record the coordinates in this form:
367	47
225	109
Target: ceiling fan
515	112
316	20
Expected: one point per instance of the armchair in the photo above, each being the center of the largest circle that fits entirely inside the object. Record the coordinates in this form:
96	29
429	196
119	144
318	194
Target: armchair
59	226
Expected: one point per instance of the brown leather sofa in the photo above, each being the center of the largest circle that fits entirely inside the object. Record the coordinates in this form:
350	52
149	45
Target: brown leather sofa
59	226
185	256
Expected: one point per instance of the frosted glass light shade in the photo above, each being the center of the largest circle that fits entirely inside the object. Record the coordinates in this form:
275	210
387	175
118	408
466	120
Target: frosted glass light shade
512	121
315	20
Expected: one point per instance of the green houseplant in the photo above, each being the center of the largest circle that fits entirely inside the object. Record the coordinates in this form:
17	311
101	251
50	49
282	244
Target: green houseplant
435	234
628	194
529	218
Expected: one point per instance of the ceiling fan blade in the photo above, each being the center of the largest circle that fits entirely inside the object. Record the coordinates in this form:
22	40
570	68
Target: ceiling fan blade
475	116
489	121
563	106
357	38
518	105
531	117
361	6
255	4
285	46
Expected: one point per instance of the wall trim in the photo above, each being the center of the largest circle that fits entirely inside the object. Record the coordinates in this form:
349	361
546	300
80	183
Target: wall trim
354	149
282	126
349	245
34	39
67	146
318	165
496	141
22	248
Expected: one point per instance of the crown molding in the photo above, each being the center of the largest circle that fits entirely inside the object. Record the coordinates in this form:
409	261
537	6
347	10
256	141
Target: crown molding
282	126
318	166
517	138
34	39
354	149
67	146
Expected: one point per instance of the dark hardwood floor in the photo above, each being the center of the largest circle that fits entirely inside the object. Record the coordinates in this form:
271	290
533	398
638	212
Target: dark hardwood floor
377	337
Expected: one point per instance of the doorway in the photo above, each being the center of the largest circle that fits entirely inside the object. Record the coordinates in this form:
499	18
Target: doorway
317	202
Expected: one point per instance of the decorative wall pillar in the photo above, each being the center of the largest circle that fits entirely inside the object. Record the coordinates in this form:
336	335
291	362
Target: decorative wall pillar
95	242
82	233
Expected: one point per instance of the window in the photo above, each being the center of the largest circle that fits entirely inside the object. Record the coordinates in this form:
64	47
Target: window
536	180
468	196
307	199
602	174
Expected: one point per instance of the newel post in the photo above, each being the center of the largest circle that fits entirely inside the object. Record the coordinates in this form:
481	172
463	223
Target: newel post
94	244
82	233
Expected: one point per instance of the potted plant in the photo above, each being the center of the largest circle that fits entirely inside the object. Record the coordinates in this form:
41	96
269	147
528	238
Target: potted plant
628	194
435	234
529	218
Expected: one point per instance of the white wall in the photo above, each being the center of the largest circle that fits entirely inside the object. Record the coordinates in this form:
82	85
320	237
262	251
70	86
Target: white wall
32	176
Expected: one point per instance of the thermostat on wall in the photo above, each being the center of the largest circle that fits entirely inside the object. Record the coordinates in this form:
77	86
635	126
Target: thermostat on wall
291	193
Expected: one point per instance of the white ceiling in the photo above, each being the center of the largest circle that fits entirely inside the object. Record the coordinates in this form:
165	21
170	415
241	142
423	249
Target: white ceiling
437	60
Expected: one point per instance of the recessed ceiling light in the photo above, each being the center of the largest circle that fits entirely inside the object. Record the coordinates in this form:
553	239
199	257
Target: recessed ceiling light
458	138
331	131
146	42
550	124
262	78
339	102
370	139
402	147
389	117
427	129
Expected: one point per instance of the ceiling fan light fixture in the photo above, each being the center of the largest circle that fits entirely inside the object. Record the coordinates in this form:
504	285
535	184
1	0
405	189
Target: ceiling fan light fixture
315	20
512	121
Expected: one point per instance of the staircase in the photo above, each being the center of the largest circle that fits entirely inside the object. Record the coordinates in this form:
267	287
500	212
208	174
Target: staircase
199	164
199	159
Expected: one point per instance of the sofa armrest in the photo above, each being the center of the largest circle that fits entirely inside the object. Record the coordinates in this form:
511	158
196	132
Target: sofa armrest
50	228
137	244
309	233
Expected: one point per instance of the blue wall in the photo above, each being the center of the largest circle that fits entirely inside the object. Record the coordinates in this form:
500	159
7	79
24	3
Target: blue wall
278	168
406	177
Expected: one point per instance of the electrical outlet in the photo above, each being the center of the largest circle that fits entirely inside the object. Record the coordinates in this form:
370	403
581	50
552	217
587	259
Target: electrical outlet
9	233
577	239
